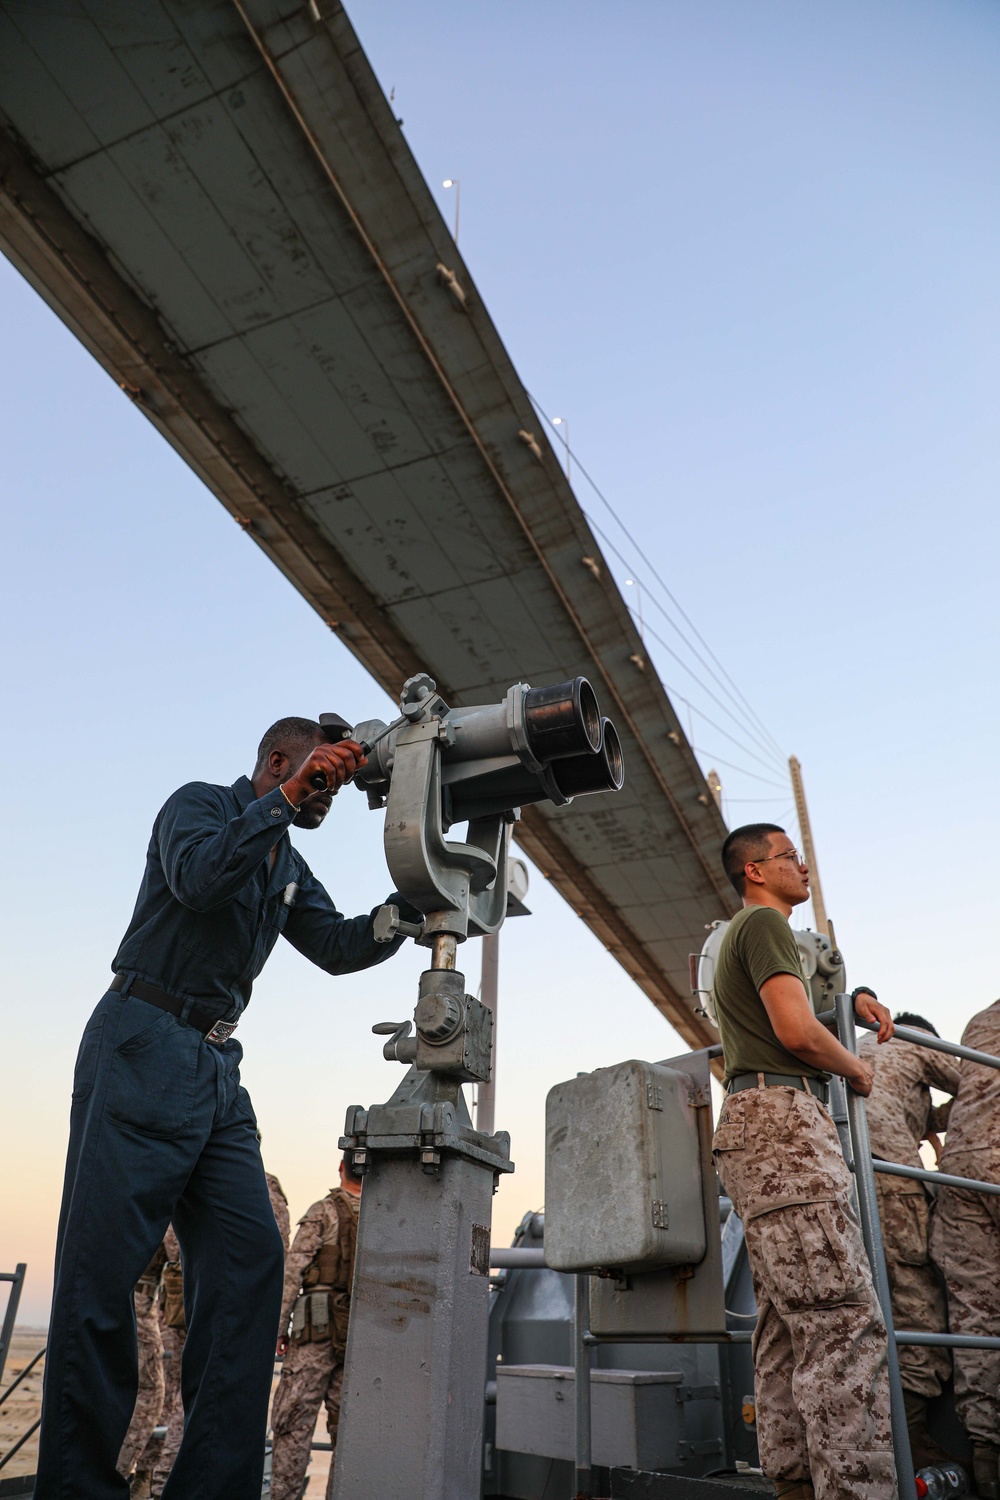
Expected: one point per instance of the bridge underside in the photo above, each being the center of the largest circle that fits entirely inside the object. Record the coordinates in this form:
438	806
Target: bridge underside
217	199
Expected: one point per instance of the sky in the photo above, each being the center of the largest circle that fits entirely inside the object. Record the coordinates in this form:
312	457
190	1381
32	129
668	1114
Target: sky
748	252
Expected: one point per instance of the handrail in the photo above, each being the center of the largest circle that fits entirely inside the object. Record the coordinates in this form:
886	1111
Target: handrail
942	1179
920	1038
871	1229
20	1443
864	1167
521	1257
16	1278
23	1376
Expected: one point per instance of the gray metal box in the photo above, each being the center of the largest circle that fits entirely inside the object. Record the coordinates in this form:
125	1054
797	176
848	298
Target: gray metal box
636	1416
623	1179
675	1300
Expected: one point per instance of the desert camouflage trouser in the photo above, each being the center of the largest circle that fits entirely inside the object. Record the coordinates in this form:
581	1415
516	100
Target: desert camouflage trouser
820	1362
917	1293
173	1409
309	1375
149	1400
965	1242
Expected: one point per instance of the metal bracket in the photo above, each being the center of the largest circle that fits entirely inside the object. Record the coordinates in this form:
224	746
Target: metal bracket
704	1449
708	1392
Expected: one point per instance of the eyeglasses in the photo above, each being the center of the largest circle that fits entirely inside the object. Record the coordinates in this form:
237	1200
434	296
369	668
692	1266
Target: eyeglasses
785	854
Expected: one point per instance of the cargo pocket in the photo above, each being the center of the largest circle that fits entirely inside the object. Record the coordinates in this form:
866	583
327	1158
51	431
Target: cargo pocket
151	1086
85	1071
905	1226
730	1135
807	1252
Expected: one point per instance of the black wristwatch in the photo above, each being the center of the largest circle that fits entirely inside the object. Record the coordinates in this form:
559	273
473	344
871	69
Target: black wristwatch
862	989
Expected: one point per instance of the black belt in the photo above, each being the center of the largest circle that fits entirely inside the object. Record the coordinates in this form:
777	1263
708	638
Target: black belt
779	1081
189	1011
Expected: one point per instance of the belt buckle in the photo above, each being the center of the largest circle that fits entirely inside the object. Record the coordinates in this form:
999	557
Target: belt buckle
221	1032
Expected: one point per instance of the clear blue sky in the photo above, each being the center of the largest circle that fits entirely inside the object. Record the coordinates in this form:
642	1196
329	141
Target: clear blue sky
750	251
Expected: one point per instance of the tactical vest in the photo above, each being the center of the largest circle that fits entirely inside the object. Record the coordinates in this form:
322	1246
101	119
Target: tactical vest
321	1314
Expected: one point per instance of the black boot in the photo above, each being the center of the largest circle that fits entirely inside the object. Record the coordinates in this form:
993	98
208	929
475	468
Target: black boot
986	1470
924	1450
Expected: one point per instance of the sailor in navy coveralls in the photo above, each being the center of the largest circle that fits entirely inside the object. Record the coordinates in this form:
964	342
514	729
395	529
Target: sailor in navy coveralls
162	1131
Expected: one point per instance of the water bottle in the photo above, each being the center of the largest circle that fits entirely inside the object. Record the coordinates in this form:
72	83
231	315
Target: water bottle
942	1482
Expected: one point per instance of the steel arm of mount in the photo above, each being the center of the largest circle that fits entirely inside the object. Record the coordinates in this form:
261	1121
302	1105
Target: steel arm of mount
462	887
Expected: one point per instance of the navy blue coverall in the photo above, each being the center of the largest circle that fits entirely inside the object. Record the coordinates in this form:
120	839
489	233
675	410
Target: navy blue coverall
161	1129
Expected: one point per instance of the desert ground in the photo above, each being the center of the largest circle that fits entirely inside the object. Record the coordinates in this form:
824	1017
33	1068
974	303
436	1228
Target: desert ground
22	1409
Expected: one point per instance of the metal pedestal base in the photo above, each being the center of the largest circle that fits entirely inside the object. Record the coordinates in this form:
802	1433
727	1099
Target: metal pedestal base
411	1425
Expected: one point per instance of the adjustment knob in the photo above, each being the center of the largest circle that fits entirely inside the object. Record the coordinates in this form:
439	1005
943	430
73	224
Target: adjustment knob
438	1017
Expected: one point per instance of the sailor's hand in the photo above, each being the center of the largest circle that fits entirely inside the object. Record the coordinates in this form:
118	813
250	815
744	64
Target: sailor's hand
325	769
868	1009
862	1077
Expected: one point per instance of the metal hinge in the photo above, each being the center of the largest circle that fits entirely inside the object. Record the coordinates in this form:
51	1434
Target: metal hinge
698	1392
654	1095
661	1216
704	1449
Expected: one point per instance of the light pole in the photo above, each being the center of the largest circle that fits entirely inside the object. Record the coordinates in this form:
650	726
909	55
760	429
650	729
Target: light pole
630	583
562	422
453	182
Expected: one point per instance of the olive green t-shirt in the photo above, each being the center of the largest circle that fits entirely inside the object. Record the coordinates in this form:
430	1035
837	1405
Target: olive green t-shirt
758	944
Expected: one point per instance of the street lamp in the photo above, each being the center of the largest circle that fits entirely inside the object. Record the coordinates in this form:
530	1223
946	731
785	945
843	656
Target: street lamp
630	583
561	422
453	182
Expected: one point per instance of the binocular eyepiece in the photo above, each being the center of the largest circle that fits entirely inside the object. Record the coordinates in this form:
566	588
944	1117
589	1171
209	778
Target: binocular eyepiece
536	745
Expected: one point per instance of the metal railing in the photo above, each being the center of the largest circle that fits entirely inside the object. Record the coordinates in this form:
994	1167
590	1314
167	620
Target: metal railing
16	1278
864	1167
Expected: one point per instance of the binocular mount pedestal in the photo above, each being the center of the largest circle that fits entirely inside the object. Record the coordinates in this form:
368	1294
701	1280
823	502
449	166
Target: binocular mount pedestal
411	1425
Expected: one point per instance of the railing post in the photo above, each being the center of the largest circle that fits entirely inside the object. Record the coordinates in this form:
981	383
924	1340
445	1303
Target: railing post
864	1177
581	1367
7	1332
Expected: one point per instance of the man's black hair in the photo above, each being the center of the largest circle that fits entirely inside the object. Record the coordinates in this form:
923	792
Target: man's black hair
284	735
743	845
907	1018
350	1169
